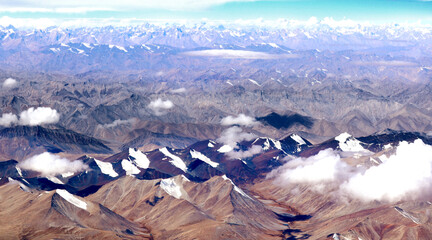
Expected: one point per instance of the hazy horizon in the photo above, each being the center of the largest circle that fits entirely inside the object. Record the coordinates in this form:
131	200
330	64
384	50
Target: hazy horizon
372	12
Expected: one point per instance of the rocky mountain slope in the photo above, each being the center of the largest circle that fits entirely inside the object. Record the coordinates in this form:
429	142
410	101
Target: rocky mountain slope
210	132
354	78
202	191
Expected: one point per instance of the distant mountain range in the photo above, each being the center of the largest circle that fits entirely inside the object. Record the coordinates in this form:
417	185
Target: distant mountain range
216	132
356	78
214	36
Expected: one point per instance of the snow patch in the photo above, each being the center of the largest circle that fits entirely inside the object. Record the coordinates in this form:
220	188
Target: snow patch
225	149
407	215
55	180
254	82
118	47
277	144
19	171
106	168
129	167
68	174
274	45
55	50
87	45
141	159
185	178
266	145
171	187
176	161
202	157
237	189
349	144
71	199
298	139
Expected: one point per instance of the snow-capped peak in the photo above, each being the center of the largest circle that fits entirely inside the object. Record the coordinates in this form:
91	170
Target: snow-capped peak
237	189
171	187
129	167
298	139
141	159
347	143
106	168
202	157
72	199
175	160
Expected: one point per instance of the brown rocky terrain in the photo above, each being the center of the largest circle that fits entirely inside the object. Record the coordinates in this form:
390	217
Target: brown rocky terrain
139	133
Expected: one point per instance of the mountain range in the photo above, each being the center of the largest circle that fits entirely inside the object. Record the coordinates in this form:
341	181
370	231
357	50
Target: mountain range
170	193
222	131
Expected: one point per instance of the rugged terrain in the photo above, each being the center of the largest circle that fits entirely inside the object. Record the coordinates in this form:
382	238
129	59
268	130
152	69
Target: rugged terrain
216	132
359	79
202	191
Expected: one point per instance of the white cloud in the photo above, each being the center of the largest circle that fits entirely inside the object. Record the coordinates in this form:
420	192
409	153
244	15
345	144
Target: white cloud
178	90
50	165
255	149
159	106
10	83
8	119
405	175
234	135
117	122
241	119
82	6
239	54
39	116
31	117
325	166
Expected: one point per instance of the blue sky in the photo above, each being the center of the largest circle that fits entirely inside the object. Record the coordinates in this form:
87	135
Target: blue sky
375	11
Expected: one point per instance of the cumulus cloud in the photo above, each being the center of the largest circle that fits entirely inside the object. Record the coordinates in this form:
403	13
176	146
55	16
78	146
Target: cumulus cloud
159	106
325	166
255	149
50	165
234	135
31	117
8	119
118	122
237	54
10	83
241	119
231	137
407	174
39	116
